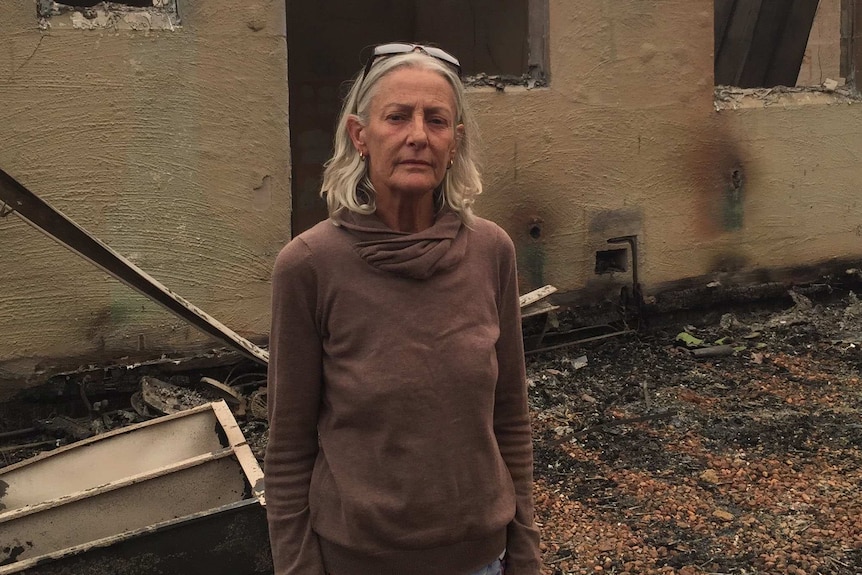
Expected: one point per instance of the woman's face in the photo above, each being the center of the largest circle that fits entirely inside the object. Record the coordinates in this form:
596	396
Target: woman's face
411	134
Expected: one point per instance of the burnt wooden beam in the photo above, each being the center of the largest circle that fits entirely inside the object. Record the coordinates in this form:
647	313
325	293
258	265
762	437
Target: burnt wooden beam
737	42
17	199
847	12
856	45
764	43
667	414
791	46
537	38
723	11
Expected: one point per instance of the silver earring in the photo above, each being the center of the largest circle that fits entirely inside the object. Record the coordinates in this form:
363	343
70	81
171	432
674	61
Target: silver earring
451	163
361	156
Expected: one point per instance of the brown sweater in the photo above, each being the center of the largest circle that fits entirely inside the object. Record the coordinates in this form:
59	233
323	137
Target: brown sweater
399	435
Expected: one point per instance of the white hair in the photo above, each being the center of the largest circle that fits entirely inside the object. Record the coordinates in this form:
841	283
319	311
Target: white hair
345	181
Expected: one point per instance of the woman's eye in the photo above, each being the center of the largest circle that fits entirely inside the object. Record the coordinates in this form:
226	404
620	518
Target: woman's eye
395	117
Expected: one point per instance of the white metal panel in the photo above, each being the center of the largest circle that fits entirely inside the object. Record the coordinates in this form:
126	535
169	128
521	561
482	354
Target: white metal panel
215	480
110	457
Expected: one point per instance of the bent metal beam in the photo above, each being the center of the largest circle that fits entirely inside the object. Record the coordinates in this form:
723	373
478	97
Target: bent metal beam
15	198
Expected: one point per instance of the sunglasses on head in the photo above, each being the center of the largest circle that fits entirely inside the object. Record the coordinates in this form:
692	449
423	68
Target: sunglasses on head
395	48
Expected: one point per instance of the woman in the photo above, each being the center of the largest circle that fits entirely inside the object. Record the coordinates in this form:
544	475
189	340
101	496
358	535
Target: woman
399	433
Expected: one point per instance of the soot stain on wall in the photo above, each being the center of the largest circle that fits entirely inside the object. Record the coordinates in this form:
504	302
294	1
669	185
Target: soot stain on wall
531	252
716	171
733	201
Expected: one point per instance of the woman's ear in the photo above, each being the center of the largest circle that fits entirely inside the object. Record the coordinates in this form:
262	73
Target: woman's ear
459	137
356	131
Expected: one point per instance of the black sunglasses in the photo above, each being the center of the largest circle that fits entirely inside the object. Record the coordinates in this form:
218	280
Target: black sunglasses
395	48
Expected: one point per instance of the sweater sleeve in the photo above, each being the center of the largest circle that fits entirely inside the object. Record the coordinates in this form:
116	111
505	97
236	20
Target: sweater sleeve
512	419
293	400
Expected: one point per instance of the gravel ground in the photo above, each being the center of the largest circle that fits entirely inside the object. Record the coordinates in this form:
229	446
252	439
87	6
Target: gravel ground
748	463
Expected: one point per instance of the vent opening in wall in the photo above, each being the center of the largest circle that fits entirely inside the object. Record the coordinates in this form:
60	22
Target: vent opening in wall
610	261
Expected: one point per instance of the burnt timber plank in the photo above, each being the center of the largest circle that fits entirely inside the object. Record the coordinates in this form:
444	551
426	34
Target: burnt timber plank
723	11
856	44
737	42
537	14
790	48
763	50
847	10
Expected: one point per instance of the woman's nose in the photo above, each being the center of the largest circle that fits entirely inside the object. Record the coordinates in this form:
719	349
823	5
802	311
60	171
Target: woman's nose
418	131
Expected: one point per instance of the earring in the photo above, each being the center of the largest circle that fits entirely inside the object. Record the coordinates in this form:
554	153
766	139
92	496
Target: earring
361	156
451	163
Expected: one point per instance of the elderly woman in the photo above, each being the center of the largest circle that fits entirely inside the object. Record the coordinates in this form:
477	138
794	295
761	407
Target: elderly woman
399	433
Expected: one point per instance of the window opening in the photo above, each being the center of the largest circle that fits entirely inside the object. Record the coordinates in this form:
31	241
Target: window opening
137	3
792	43
120	14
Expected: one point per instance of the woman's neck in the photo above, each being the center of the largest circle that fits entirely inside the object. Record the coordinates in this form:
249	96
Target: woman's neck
405	213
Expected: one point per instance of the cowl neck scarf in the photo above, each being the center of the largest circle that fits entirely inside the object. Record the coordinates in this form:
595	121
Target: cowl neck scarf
417	255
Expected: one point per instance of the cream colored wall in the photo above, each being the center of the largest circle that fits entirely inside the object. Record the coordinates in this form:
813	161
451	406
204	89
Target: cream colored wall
626	140
171	147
